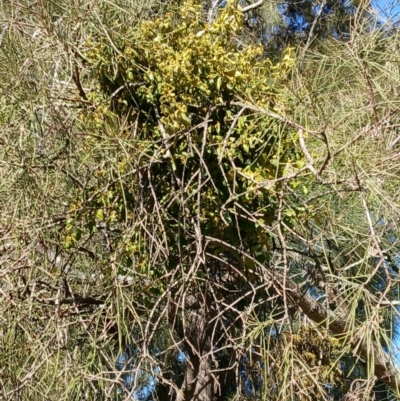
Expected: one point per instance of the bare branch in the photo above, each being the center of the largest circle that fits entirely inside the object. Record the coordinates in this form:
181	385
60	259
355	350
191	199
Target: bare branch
253	6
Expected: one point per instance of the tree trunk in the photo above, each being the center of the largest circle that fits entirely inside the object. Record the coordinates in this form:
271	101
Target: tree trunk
198	384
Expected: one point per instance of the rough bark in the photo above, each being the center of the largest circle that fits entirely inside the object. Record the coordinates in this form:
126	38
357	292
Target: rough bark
198	383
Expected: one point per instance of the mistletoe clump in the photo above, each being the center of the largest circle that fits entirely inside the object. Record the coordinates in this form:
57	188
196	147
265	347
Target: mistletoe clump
203	147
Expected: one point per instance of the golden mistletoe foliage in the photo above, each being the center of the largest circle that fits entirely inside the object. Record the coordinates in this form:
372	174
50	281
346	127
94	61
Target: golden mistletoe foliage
187	103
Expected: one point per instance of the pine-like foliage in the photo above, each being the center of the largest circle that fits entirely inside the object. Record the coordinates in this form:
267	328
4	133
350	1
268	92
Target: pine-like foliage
183	218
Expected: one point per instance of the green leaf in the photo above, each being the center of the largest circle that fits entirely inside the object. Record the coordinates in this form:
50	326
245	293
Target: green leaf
100	214
185	118
219	83
241	122
78	235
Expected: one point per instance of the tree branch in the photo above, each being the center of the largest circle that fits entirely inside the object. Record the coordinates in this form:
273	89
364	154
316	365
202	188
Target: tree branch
253	6
318	313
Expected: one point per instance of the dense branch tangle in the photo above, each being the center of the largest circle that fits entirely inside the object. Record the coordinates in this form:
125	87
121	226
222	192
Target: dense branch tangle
213	204
198	224
192	167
